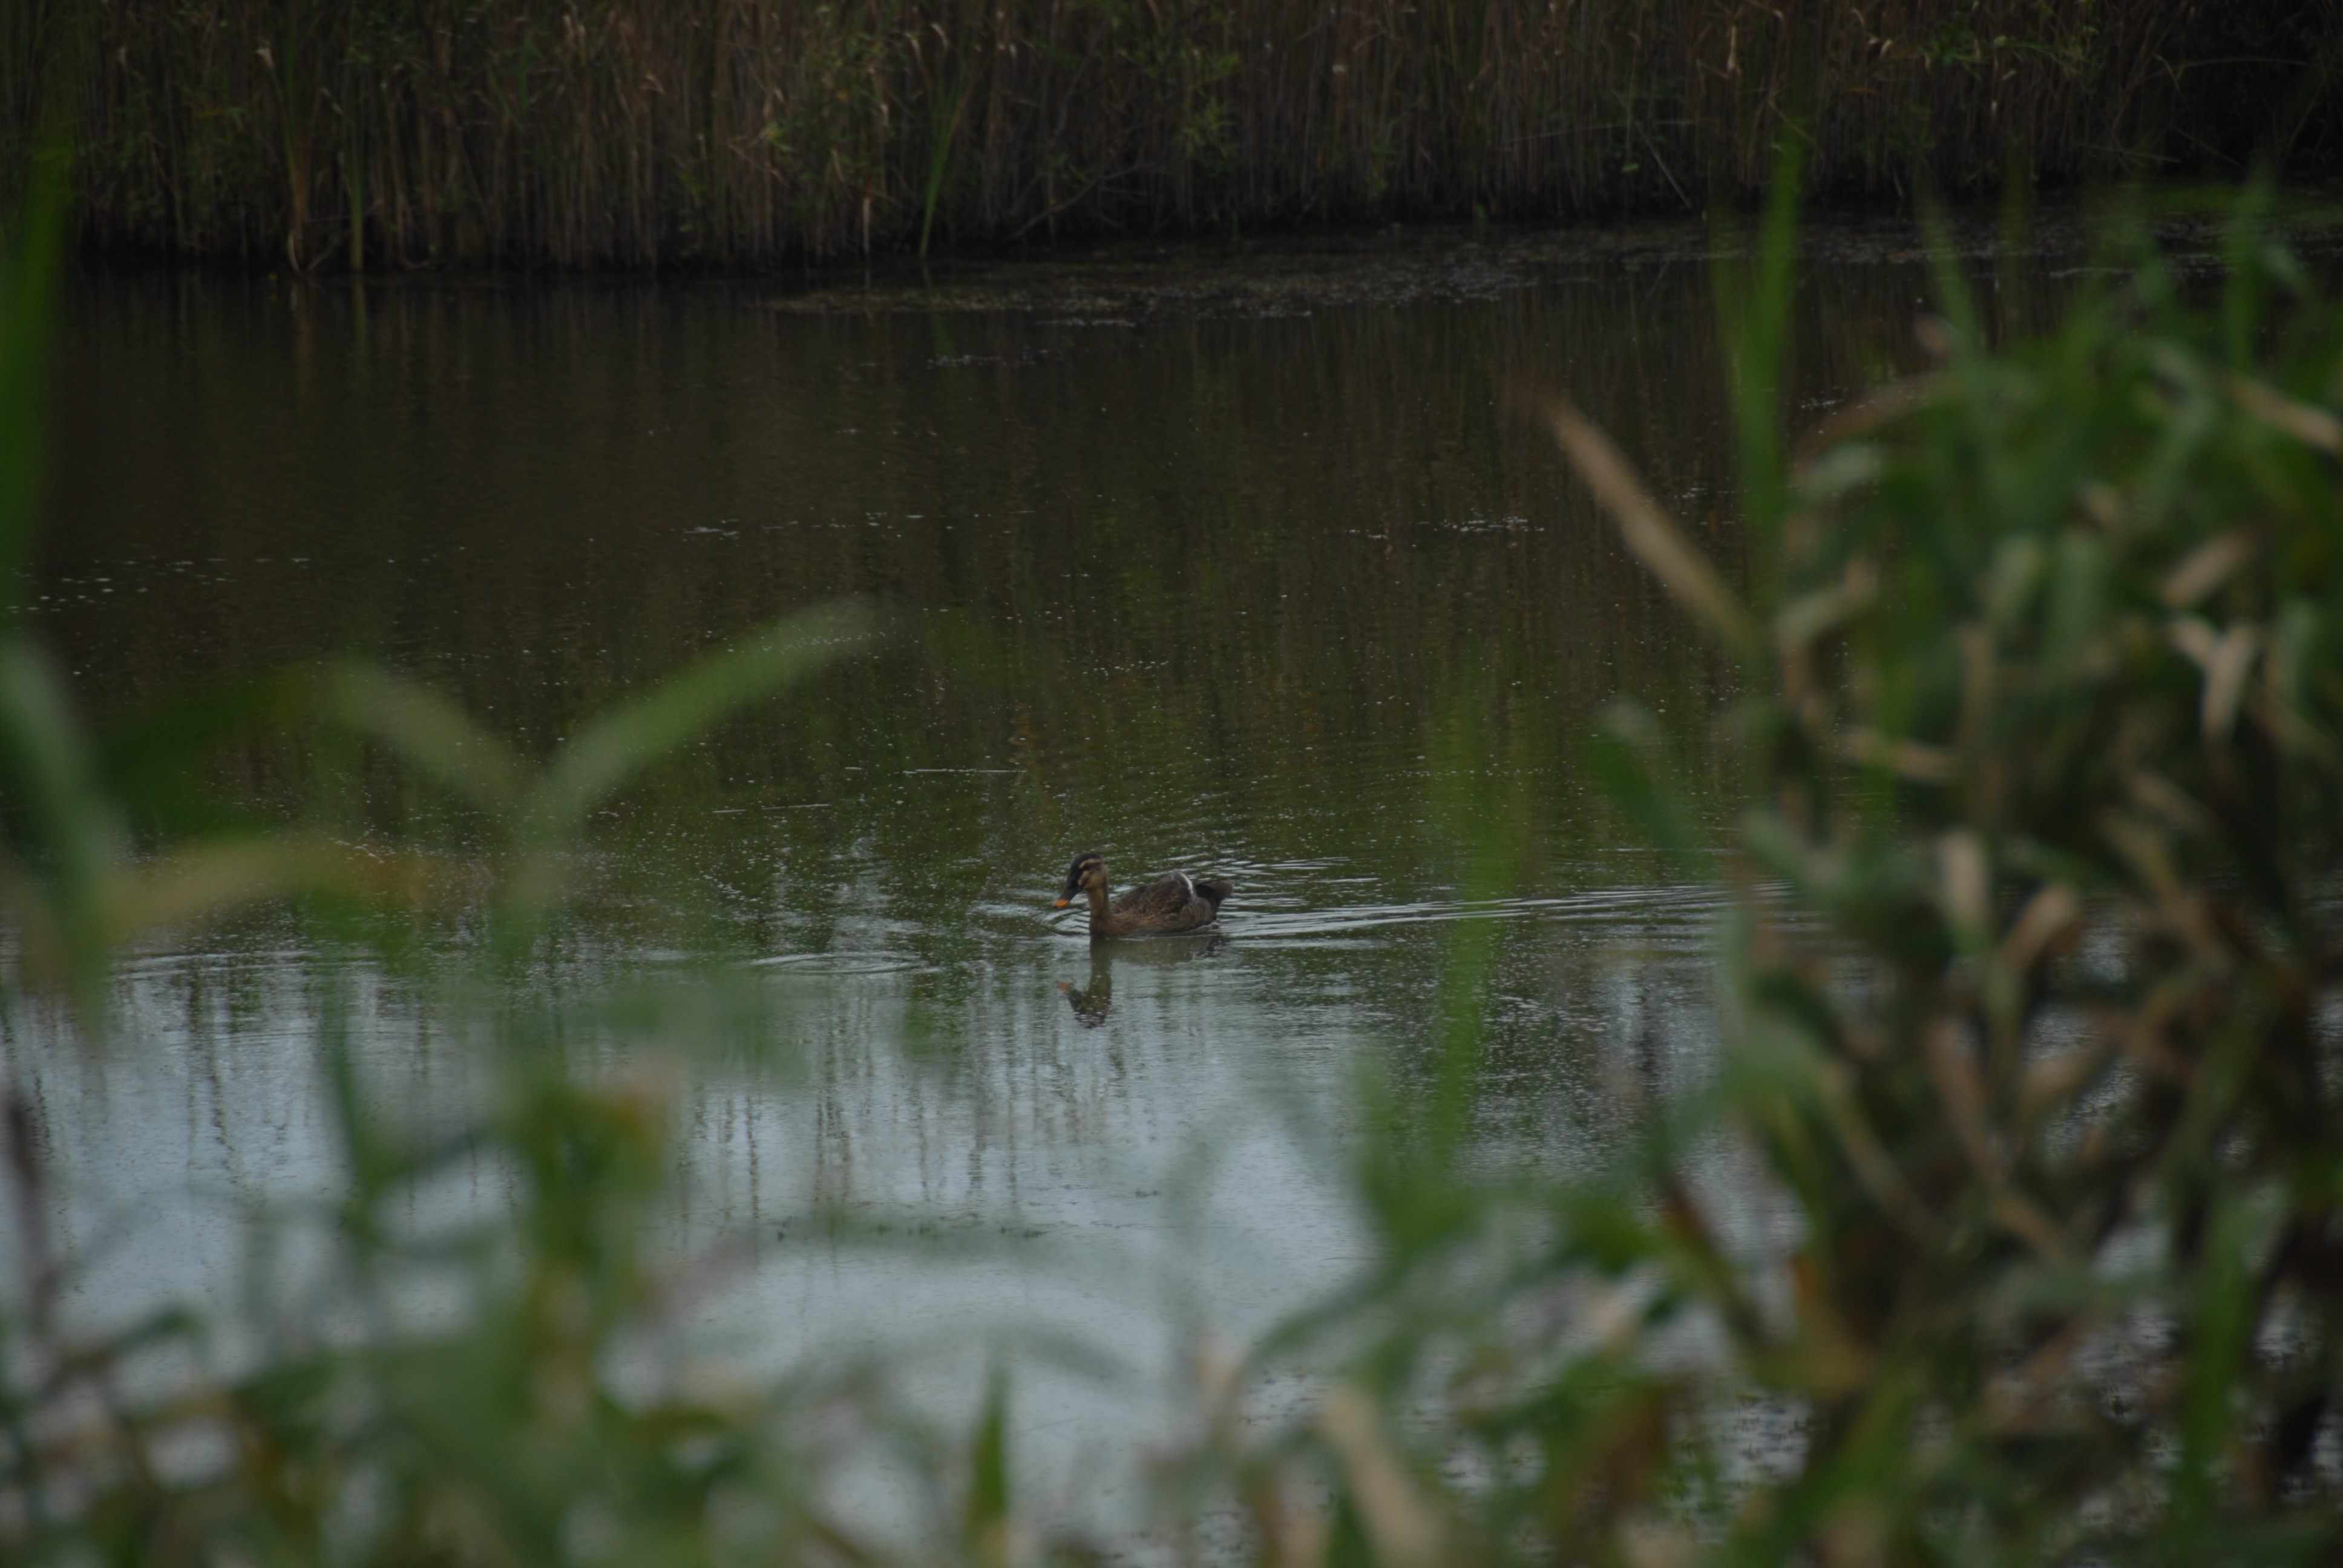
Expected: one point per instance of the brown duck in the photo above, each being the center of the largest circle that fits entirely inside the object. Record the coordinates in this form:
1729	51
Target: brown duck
1177	903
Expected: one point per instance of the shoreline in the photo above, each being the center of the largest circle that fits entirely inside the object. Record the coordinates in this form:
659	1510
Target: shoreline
1397	260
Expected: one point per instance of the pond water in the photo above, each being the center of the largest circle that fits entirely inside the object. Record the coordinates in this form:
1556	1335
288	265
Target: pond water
1241	560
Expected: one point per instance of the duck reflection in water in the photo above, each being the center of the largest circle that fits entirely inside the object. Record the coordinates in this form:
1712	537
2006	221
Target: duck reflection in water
1092	1003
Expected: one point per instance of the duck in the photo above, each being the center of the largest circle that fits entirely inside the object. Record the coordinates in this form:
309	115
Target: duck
1177	903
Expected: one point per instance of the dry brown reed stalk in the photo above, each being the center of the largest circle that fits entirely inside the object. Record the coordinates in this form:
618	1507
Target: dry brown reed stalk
632	134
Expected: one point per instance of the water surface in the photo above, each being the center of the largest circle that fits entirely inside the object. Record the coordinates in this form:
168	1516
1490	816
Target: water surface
1244	561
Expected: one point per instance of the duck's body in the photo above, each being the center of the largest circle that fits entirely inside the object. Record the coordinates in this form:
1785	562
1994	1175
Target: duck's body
1176	903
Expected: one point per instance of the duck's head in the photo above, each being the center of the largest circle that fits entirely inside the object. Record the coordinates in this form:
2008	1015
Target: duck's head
1088	871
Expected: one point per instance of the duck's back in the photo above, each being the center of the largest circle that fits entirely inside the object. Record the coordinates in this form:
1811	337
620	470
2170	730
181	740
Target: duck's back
1172	904
1157	900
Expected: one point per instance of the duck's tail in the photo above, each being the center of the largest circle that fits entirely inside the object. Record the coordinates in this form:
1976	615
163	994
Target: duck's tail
1216	891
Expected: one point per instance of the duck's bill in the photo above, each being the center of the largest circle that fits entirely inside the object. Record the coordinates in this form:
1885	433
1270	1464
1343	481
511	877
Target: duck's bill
1061	903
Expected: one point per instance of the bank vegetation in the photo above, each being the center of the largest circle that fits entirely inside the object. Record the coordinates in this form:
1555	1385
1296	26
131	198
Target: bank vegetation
737	132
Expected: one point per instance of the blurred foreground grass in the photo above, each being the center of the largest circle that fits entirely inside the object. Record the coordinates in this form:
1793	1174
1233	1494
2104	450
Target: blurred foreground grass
2008	1230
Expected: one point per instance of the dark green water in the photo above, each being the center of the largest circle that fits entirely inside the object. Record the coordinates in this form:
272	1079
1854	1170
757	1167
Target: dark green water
1244	563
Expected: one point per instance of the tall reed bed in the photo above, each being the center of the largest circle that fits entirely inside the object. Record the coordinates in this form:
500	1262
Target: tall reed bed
624	133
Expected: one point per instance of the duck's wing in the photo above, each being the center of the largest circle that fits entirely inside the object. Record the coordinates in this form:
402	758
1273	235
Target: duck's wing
1204	908
1157	900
